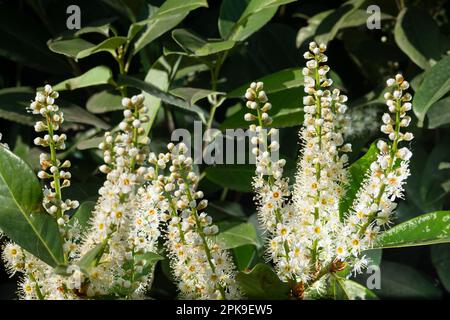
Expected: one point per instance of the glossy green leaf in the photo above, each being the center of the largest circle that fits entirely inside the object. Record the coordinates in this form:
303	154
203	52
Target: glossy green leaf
417	34
109	45
158	76
239	235
171	13
439	113
278	81
243	256
100	28
13	104
357	173
22	217
192	95
160	94
344	289
240	19
14	101
196	46
104	101
332	23
96	76
76	114
430	228
70	47
262	283
287	110
434	86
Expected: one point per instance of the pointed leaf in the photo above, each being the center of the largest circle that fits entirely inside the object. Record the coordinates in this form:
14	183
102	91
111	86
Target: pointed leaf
22	217
434	86
95	76
430	228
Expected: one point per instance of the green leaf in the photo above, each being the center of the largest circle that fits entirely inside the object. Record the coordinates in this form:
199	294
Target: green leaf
70	47
240	19
171	13
239	235
89	259
160	94
101	28
430	228
417	34
344	289
355	18
235	177
440	256
400	281
357	173
243	256
22	217
158	76
192	95
262	283
439	113
82	215
109	45
287	111
278	81
76	114
196	46
148	261
96	76
104	101
332	23
13	104
434	86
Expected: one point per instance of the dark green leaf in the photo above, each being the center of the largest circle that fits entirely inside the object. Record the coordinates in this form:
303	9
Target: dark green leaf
71	47
417	34
357	173
434	86
239	235
262	283
171	13
239	19
22	217
196	46
235	177
160	94
148	261
439	113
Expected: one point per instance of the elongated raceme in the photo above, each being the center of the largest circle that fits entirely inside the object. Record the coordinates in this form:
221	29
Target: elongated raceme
307	236
202	268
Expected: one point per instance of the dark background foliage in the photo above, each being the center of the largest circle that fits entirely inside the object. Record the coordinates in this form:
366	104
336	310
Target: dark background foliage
362	60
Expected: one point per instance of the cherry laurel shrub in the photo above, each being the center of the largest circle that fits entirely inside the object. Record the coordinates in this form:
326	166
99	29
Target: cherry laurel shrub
149	199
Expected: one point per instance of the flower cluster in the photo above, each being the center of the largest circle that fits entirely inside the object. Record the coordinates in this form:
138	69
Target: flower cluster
201	266
308	235
375	201
51	167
